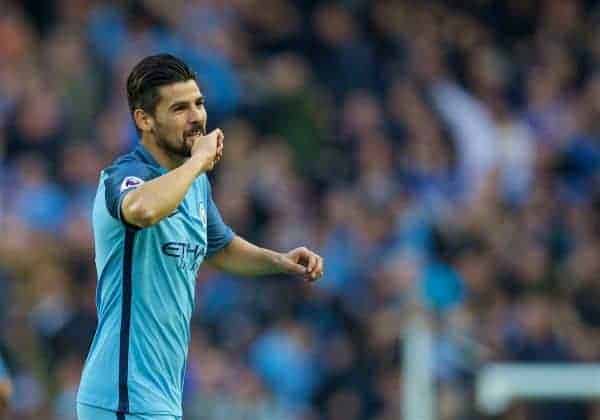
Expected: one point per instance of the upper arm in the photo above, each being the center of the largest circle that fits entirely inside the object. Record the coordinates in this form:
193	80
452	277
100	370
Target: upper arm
121	180
219	234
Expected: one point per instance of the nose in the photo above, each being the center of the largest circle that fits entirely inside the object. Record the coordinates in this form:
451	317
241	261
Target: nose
196	114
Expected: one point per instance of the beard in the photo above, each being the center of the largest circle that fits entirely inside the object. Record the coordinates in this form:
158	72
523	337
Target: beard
181	146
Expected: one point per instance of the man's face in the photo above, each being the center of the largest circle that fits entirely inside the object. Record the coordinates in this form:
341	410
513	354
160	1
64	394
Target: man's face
179	118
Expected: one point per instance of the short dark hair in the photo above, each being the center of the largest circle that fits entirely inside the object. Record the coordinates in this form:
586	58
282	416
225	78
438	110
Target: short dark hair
151	73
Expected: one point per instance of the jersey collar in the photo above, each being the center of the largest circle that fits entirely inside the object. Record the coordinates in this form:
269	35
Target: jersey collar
146	157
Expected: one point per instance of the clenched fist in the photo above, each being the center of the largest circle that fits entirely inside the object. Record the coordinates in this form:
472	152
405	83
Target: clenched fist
208	149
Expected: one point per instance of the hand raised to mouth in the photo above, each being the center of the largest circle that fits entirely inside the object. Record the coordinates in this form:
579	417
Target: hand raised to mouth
209	148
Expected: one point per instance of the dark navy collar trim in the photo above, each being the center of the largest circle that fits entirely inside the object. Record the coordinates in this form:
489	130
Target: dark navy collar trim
146	156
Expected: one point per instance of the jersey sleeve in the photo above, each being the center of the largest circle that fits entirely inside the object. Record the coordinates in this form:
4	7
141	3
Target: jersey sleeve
3	370
120	180
218	233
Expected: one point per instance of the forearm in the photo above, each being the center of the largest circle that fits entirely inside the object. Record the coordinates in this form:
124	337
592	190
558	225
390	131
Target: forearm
240	257
156	199
5	394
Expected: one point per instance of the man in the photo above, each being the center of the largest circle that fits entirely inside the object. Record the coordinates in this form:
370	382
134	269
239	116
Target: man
154	223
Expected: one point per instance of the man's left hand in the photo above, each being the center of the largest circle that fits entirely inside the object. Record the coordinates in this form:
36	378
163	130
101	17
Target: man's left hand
308	259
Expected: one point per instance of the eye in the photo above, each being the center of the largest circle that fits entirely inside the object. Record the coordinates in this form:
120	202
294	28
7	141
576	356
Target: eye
200	102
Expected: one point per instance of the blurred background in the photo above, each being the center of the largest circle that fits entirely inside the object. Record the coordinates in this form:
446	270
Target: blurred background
443	156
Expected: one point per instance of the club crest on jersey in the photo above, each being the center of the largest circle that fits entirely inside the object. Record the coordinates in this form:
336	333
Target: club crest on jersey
131	182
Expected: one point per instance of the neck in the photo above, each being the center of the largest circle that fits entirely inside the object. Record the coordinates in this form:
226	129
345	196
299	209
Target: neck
163	157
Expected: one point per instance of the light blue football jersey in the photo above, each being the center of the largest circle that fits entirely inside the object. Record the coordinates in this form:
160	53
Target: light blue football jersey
145	291
3	370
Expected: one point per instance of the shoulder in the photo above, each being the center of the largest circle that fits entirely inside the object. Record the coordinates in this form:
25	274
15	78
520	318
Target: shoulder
130	165
124	161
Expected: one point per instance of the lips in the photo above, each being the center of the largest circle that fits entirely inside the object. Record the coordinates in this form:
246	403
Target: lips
194	133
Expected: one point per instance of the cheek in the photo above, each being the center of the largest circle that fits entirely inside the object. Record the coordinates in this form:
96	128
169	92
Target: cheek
173	128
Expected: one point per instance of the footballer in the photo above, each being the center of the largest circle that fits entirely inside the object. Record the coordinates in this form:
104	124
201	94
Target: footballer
155	223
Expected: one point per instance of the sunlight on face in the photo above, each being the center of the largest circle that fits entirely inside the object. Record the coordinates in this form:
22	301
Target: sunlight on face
180	117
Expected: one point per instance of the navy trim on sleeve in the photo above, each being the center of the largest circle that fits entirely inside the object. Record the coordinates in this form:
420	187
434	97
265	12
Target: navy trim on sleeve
123	176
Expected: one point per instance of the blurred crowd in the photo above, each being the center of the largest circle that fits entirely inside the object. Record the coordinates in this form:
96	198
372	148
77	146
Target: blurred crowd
438	154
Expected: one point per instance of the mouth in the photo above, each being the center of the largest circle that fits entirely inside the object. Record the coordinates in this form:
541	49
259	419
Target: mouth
194	134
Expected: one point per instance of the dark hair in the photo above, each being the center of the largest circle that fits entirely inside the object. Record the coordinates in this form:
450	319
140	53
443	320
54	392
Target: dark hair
151	73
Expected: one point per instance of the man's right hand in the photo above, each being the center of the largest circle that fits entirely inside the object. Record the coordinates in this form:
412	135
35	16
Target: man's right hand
208	149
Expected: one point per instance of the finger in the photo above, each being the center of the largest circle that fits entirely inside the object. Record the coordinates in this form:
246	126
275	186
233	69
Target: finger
293	268
312	262
319	269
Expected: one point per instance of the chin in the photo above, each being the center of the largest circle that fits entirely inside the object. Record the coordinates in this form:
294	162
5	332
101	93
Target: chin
185	150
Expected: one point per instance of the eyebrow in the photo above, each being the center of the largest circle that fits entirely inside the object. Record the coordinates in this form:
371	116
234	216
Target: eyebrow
178	103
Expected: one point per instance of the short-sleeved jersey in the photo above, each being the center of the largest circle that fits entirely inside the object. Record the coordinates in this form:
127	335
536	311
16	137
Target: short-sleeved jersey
3	370
145	291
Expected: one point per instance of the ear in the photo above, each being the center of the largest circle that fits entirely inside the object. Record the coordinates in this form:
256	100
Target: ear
143	120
